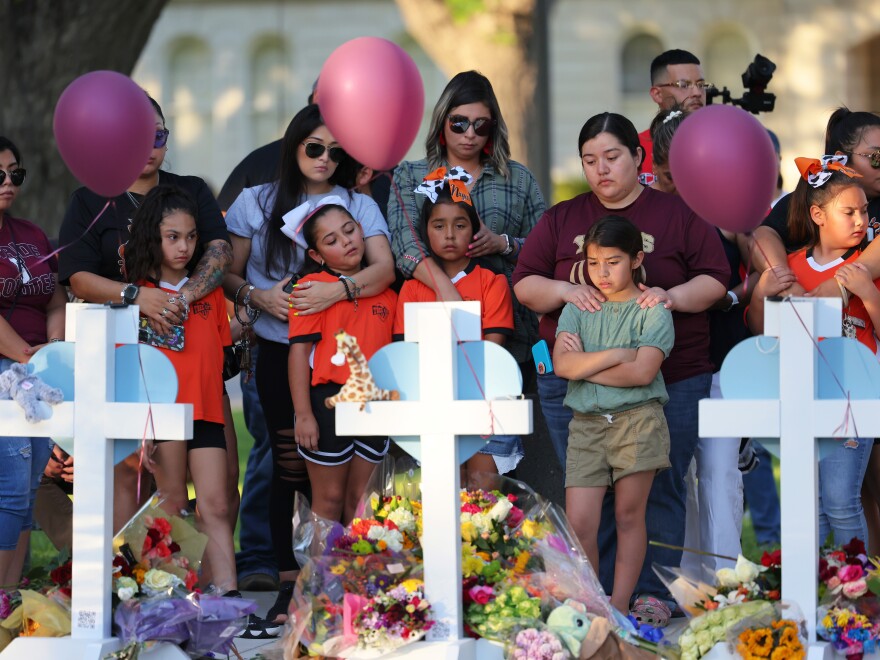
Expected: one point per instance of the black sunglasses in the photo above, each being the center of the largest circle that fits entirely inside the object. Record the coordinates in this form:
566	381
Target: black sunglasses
161	138
16	177
316	150
482	126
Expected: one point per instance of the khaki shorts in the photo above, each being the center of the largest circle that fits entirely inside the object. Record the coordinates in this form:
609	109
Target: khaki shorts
601	451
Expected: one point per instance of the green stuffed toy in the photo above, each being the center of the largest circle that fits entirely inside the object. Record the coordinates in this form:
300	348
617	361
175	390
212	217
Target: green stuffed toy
570	623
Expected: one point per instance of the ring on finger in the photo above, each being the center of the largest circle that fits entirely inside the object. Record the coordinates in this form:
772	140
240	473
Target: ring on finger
164	311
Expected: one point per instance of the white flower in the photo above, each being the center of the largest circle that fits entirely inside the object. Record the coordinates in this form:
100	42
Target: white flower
481	522
501	509
727	577
156	581
745	570
126	588
405	520
392	537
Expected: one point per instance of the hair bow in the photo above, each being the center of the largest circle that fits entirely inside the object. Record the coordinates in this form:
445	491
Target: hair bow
296	218
816	172
457	178
672	115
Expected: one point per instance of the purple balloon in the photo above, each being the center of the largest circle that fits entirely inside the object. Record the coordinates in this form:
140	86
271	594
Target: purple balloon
105	128
724	167
372	98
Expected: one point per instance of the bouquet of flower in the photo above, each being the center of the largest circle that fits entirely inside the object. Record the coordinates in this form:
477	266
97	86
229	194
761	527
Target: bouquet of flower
706	630
843	573
492	612
391	619
778	641
850	633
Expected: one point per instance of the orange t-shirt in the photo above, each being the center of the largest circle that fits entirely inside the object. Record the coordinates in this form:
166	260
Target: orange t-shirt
476	282
810	275
199	365
370	322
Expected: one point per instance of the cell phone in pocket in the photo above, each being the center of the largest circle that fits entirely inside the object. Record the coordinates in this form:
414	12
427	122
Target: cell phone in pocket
288	288
541	355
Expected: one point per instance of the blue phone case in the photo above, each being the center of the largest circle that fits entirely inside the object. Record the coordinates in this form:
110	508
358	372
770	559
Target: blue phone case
541	355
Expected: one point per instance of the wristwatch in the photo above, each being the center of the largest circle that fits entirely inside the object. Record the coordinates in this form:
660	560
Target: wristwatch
734	301
129	293
508	247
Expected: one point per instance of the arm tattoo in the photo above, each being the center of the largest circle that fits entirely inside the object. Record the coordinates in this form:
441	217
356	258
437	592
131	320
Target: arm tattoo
210	270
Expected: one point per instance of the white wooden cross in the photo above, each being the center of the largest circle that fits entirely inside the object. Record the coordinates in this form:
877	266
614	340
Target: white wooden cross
798	419
439	418
94	420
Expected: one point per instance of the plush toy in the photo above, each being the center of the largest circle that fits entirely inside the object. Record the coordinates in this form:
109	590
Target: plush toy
29	392
570	623
360	386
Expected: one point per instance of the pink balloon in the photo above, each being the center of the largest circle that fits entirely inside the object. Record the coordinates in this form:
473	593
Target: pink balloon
105	128
725	167
372	98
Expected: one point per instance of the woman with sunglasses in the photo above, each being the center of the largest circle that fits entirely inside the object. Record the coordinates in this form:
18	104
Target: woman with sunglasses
467	130
31	314
262	281
91	261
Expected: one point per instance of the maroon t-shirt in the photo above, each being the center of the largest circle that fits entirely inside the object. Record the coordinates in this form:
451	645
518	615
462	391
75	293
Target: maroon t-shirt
678	245
25	283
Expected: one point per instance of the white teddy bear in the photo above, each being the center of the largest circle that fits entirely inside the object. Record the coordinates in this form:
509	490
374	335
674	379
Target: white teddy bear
29	392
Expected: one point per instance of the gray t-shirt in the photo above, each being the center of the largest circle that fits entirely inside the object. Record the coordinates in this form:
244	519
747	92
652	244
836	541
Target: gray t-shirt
248	217
617	325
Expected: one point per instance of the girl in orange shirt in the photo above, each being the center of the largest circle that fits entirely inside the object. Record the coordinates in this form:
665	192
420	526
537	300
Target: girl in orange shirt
163	242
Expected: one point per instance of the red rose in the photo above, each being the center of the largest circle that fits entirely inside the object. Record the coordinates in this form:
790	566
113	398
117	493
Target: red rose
854	547
62	575
770	559
162	526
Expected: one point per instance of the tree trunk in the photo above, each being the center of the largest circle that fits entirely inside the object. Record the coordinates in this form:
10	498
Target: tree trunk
496	38
44	45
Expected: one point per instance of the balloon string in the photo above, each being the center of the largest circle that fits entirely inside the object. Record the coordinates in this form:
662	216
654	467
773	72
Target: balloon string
446	308
148	425
848	413
81	236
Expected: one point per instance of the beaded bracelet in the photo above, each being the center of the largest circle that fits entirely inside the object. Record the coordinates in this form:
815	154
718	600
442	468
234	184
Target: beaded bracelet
354	285
348	292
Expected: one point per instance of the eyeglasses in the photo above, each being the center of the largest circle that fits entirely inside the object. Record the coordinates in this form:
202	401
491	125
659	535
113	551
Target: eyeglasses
874	157
316	150
482	126
687	84
161	138
16	177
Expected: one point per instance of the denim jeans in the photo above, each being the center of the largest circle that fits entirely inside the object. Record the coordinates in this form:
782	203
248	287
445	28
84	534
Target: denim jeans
840	484
256	554
665	515
762	499
551	392
22	461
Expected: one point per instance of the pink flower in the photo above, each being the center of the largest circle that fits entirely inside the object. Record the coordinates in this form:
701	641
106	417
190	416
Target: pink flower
833	582
850	573
855	589
481	594
515	517
470	508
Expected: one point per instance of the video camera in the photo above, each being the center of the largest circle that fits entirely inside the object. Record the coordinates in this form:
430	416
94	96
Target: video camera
755	79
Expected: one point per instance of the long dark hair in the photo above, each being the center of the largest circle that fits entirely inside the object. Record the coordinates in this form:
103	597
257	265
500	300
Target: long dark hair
290	188
444	196
616	125
801	228
310	234
615	231
143	252
469	87
845	129
7	145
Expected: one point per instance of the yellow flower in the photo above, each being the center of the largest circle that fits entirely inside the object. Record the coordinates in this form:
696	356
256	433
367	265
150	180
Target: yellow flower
531	529
338	569
521	562
138	575
762	642
471	565
468	531
411	584
781	653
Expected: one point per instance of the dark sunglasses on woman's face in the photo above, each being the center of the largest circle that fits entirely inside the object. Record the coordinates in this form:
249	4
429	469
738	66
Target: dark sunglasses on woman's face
16	177
161	138
873	157
316	150
482	126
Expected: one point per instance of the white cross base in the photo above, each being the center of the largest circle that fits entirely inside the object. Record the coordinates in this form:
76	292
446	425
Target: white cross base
439	418
796	419
94	419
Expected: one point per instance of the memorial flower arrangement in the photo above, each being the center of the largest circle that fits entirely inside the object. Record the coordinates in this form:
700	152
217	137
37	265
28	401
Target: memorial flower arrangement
706	630
391	619
778	641
844	572
745	582
850	633
40	606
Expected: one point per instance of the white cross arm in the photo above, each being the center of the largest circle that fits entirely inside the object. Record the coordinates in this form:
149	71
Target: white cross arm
747	418
511	417
171	421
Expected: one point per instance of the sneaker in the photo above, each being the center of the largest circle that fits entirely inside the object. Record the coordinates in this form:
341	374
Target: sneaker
258	582
748	460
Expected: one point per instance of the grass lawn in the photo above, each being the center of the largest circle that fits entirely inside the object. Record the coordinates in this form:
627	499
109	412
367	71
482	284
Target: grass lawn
42	552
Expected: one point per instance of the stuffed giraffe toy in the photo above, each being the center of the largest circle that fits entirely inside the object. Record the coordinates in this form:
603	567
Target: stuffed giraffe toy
360	386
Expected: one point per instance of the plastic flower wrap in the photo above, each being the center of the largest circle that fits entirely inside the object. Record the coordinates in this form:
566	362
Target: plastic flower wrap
393	618
779	640
494	611
216	623
39	616
139	621
850	633
152	539
706	630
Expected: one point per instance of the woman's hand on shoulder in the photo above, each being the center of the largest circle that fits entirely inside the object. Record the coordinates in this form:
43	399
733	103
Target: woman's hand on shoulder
486	242
154	304
312	297
584	297
654	295
273	301
306	432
